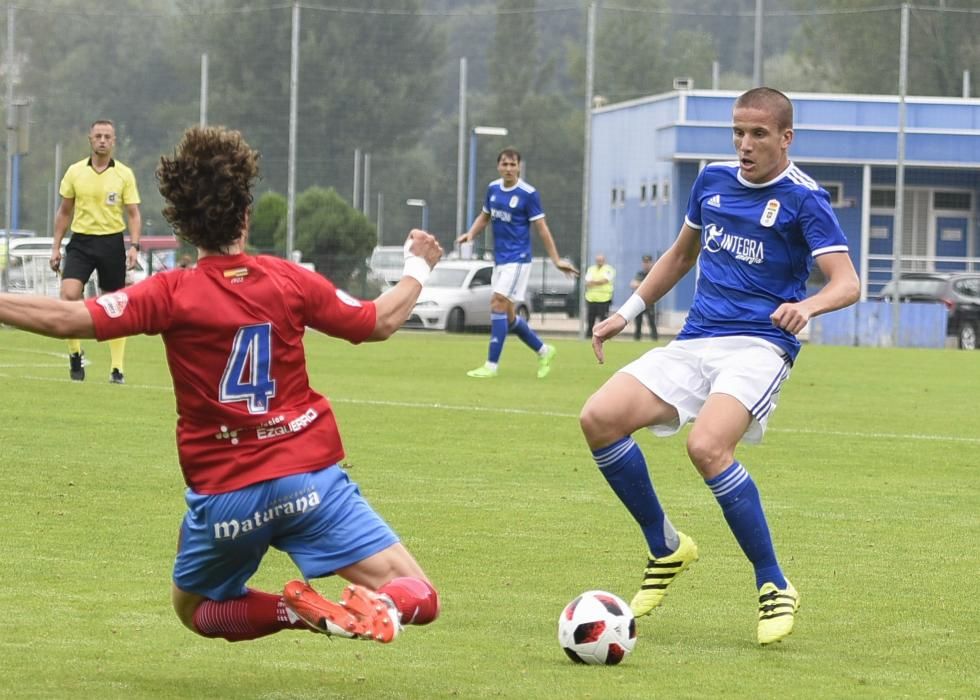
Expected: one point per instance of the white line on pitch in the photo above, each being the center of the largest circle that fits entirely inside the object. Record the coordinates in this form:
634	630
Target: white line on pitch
554	414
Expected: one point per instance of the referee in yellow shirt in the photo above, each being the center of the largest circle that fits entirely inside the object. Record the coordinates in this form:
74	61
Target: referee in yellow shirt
94	194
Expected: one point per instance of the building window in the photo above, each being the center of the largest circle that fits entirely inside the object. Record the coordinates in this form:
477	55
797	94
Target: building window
883	198
614	199
622	196
666	191
836	192
653	192
959	201
643	195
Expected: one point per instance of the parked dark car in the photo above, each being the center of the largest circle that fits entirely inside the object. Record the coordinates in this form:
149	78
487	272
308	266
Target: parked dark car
550	289
958	291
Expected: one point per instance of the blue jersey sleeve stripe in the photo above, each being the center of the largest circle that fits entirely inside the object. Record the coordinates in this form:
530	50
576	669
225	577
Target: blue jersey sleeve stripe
692	224
535	218
830	249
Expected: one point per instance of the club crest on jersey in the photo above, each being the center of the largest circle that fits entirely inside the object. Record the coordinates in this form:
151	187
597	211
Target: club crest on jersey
113	304
770	213
513	202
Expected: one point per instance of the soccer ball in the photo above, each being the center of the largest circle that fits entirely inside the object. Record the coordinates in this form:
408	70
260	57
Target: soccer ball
597	628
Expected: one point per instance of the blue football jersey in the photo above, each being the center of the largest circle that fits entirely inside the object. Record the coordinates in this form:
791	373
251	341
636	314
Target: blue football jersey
758	242
511	212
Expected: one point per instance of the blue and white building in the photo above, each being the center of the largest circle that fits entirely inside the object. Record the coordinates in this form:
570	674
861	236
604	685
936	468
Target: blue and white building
646	153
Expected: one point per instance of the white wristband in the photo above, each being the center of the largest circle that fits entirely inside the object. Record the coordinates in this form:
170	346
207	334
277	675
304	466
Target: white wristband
418	268
633	307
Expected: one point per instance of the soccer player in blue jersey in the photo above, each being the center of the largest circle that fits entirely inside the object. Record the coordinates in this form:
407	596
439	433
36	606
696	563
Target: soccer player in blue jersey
512	205
753	227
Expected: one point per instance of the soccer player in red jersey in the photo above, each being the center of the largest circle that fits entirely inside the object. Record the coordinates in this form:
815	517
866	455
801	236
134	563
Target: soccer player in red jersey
258	447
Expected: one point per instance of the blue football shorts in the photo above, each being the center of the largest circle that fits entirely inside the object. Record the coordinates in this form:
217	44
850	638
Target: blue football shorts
318	518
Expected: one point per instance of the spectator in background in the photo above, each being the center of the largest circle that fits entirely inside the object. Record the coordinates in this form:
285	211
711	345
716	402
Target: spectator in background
598	291
95	193
650	313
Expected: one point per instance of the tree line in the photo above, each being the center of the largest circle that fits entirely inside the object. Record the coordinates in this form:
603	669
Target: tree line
383	78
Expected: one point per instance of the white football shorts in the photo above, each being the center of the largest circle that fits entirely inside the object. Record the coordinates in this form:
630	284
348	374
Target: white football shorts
510	280
685	372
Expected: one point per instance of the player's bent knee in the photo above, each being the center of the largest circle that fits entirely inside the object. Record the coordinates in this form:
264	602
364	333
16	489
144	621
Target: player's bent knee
708	456
599	428
185	606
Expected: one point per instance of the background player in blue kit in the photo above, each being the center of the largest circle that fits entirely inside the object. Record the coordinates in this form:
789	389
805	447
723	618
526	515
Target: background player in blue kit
512	205
754	227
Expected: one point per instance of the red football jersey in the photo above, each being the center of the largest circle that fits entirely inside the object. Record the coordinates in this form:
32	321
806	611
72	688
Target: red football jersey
233	330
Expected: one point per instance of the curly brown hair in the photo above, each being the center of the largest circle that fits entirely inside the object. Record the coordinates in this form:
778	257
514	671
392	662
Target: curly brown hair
207	185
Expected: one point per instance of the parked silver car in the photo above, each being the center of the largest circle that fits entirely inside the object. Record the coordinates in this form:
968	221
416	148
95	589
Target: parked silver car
550	289
30	271
959	292
385	264
457	297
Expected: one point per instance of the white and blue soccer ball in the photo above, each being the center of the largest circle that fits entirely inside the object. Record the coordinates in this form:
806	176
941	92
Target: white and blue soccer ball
597	628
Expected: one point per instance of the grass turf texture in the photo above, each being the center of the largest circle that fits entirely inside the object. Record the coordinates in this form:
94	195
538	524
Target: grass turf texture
868	474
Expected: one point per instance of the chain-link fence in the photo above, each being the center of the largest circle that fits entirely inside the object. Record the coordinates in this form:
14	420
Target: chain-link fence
381	88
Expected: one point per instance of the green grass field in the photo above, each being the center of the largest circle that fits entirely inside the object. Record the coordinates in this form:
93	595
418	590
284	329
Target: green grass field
869	474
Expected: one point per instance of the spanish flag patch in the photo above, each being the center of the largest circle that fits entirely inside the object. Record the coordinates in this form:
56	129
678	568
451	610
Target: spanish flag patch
236	272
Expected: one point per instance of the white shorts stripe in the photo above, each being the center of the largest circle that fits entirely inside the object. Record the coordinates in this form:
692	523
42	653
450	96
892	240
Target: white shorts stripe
510	280
764	405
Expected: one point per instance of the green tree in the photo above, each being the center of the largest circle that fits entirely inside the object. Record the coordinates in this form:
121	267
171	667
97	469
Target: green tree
515	70
331	234
268	215
366	80
856	48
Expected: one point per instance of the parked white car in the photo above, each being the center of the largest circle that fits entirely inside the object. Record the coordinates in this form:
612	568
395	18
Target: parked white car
30	271
457	297
386	263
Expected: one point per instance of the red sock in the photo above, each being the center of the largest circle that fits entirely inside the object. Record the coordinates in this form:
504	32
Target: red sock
417	601
255	614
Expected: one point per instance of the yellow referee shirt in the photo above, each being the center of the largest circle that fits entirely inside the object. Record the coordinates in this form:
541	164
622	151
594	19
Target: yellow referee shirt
99	197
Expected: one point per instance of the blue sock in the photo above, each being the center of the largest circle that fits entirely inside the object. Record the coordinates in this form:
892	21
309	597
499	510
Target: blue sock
623	466
498	334
524	332
739	500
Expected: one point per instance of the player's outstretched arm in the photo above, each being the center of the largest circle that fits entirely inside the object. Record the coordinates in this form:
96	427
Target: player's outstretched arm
47	316
422	252
479	223
566	266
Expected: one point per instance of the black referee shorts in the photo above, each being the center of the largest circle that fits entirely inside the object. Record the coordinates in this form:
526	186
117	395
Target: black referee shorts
105	253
